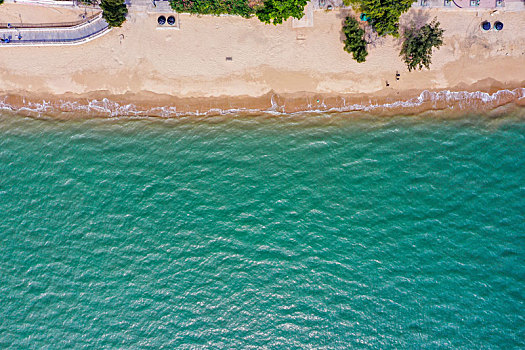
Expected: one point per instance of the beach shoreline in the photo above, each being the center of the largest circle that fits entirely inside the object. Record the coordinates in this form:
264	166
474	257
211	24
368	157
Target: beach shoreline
139	70
103	105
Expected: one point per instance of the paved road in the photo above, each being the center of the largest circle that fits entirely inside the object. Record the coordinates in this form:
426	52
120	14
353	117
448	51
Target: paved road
50	36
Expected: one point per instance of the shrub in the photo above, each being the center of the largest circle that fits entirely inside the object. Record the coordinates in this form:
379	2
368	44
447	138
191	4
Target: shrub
277	11
114	12
271	11
354	39
383	14
213	7
418	45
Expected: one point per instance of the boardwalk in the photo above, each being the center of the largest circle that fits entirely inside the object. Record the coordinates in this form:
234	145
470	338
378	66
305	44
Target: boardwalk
513	5
53	36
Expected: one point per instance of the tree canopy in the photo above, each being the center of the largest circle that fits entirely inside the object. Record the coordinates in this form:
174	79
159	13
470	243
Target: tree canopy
277	11
418	44
114	12
383	14
271	11
354	39
213	7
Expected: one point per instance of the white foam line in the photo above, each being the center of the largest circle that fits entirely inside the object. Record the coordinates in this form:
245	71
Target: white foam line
113	109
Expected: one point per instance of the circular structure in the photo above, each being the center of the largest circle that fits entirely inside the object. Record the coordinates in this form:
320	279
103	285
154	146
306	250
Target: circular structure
171	20
485	25
498	25
161	20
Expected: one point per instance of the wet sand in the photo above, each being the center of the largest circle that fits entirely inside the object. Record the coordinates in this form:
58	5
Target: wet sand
139	69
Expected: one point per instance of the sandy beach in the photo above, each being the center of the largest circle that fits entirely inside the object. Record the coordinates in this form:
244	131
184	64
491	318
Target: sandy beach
272	67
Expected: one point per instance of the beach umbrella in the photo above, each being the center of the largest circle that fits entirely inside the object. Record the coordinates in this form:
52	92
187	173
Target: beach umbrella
485	25
161	20
498	25
171	20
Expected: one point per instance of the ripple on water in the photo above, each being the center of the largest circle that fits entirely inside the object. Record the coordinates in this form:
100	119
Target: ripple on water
262	232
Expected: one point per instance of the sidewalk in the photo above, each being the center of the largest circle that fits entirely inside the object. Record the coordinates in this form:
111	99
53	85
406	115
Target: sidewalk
53	36
505	5
43	2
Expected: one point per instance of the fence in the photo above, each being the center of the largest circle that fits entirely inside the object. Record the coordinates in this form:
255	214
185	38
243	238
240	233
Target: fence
55	41
48	25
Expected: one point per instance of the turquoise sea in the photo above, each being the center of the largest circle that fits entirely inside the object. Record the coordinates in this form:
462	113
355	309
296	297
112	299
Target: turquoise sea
307	231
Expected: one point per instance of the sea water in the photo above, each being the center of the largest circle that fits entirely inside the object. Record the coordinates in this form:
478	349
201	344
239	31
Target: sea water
306	231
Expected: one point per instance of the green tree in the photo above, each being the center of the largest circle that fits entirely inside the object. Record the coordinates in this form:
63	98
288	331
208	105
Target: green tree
277	11
383	14
114	12
354	39
418	45
214	7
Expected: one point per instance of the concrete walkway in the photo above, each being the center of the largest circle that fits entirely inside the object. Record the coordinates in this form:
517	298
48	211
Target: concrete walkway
504	5
54	36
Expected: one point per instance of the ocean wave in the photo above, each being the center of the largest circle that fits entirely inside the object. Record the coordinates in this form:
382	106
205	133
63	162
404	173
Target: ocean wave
428	100
464	100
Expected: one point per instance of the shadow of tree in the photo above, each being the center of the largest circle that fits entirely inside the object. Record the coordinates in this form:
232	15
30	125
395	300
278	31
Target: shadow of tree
342	16
415	19
371	37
